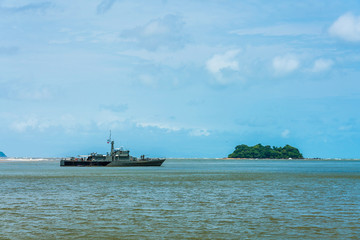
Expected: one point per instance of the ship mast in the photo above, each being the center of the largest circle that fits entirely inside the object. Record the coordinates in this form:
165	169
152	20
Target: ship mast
112	143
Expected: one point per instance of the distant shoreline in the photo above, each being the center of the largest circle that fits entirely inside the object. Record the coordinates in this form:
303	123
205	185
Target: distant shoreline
26	159
38	159
270	159
294	159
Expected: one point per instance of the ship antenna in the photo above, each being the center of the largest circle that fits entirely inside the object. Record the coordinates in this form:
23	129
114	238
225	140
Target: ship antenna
109	139
112	143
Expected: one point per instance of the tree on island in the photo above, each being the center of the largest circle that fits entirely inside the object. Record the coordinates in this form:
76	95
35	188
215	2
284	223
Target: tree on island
260	151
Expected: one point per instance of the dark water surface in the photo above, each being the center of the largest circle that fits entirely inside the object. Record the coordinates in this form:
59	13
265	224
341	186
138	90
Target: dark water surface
183	199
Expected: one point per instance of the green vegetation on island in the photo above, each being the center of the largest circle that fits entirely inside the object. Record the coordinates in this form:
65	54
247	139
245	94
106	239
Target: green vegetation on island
260	151
2	154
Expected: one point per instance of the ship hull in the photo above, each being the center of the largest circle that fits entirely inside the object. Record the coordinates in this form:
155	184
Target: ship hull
125	163
146	163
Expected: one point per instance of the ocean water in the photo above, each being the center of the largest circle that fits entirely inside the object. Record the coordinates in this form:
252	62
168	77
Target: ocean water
183	199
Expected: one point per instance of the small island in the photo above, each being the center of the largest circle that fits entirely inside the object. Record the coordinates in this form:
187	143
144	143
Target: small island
266	152
2	154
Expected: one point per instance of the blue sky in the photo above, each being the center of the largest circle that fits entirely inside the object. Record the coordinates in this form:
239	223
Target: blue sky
179	78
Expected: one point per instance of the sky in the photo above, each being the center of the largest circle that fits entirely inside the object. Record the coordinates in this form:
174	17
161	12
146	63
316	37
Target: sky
179	78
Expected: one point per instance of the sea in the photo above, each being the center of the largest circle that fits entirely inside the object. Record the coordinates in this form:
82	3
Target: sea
183	199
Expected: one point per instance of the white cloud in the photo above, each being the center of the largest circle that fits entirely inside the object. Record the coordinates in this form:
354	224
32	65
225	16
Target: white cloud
346	27
104	6
9	50
345	127
25	91
194	55
158	33
38	94
195	132
162	126
27	123
285	64
223	61
321	65
117	108
281	30
148	80
224	67
18	7
21	126
285	133
199	132
154	28
71	36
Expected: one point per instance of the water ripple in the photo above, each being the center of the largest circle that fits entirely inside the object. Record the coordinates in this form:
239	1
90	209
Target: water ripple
197	200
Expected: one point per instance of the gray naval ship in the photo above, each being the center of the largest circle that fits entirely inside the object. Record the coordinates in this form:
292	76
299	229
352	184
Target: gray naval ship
116	158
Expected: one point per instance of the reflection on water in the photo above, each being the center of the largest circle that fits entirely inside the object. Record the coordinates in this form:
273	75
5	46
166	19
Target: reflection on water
204	199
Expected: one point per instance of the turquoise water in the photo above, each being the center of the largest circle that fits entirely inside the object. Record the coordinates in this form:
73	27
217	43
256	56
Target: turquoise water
183	199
